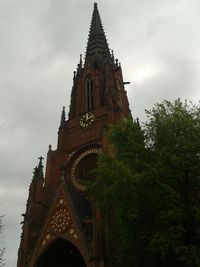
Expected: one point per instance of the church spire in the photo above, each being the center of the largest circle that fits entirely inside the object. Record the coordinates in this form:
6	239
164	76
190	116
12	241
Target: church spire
97	47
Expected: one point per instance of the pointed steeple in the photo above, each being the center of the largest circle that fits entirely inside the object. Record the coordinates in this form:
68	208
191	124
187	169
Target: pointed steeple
97	46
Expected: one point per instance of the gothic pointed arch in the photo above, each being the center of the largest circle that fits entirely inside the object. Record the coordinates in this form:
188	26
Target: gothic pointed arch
61	253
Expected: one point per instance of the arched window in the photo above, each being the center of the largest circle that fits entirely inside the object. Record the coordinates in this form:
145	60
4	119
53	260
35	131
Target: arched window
89	95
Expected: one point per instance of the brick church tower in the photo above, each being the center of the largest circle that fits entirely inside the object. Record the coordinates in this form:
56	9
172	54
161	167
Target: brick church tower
59	227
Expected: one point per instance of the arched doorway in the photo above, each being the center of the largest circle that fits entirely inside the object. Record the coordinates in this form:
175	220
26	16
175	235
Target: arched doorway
61	253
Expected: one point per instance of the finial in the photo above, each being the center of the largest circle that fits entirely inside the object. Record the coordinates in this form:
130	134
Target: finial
50	146
95	4
74	74
40	161
116	61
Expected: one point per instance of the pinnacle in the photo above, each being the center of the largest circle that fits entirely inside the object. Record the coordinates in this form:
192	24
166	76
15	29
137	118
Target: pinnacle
38	170
62	117
40	161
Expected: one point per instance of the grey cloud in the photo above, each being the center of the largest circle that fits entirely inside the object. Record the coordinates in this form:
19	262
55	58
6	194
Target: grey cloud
178	78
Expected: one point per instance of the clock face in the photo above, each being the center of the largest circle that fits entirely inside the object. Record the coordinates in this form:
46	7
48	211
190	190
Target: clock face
87	119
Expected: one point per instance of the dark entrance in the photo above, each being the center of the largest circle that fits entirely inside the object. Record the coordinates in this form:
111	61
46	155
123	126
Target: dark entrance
61	254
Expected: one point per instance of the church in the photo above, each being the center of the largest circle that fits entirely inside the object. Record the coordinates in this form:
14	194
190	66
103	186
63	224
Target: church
59	225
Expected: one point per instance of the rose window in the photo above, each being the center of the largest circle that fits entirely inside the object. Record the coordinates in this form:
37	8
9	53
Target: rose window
60	220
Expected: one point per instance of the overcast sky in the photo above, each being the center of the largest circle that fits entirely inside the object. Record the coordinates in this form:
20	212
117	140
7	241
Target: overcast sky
156	41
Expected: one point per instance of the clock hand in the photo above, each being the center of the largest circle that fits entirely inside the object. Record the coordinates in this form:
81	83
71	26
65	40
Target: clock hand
89	116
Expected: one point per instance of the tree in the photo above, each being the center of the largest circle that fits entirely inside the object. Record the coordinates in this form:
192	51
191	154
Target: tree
147	188
2	262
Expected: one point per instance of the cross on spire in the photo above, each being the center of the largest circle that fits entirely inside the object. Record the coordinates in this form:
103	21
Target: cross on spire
40	161
38	170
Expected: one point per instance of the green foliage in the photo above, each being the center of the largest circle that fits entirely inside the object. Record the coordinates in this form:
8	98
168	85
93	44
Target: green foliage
147	189
173	133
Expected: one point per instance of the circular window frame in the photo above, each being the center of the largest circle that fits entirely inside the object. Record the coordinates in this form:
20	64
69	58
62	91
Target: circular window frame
75	183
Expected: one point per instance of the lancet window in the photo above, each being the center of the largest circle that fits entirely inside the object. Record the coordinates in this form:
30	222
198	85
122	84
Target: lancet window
89	95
